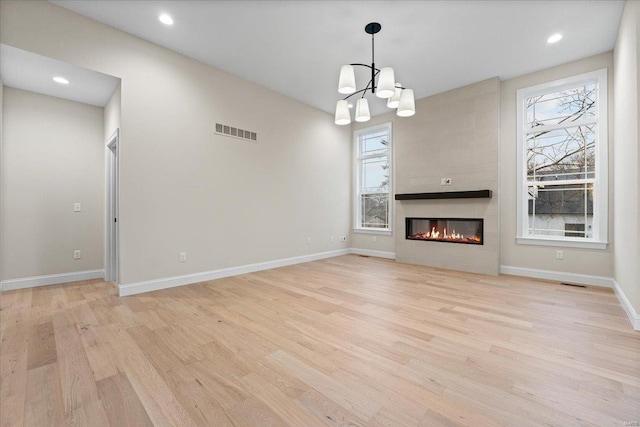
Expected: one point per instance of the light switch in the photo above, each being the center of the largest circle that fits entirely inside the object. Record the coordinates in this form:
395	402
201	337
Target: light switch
77	207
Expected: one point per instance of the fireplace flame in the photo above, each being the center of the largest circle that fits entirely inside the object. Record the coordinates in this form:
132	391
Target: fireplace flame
434	234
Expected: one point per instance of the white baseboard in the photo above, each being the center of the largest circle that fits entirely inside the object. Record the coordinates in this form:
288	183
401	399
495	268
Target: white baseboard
580	279
369	252
633	316
170	282
51	279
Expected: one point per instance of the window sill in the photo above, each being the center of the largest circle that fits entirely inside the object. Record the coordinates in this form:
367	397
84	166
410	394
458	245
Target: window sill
566	243
372	231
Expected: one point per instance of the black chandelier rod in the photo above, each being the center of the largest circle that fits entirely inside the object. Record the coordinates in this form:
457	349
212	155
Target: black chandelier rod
372	29
374	70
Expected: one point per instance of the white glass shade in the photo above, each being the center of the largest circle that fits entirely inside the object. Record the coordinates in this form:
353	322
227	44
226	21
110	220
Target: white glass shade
407	106
347	82
386	83
362	110
394	101
342	113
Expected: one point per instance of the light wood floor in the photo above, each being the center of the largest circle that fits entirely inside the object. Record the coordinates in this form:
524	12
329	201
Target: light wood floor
344	341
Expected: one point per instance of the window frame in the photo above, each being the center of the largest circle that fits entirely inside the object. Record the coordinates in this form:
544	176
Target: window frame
601	182
357	205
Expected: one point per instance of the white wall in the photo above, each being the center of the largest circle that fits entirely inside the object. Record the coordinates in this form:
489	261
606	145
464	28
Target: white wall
626	156
112	114
225	202
576	261
53	157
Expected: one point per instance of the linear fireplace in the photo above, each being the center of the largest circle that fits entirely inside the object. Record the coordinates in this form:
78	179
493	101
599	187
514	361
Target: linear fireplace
449	230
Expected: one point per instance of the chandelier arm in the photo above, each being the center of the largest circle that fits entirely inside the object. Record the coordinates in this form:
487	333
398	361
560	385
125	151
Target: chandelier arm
374	72
369	84
368	66
364	90
355	93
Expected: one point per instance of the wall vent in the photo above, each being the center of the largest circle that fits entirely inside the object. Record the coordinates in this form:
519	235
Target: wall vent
227	130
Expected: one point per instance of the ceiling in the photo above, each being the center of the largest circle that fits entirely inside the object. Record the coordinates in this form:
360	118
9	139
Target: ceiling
297	47
25	70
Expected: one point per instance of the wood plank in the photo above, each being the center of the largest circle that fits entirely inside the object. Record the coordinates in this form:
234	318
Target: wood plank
225	389
225	359
41	296
91	414
202	405
159	402
178	343
344	396
329	411
410	408
121	403
13	372
252	412
100	355
166	364
78	385
42	345
277	401
44	400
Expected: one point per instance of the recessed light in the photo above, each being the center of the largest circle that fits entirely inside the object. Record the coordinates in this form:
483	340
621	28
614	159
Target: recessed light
166	19
554	38
61	80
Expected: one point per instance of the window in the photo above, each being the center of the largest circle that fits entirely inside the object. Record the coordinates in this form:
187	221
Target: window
373	179
562	162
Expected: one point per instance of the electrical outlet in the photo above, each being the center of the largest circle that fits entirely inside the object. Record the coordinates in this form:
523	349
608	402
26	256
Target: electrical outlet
343	238
559	255
445	181
333	239
77	254
183	256
308	240
77	207
375	238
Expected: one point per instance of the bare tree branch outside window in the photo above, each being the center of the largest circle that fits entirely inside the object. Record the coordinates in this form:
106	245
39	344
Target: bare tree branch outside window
561	138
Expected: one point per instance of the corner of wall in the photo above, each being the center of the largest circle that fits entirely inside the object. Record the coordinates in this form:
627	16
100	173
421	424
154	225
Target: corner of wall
1	182
627	161
632	314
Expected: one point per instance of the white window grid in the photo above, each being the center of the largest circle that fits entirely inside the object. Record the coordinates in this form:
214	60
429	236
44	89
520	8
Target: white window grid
528	233
360	190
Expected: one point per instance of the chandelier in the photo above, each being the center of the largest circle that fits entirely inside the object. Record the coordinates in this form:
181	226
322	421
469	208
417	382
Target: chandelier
386	87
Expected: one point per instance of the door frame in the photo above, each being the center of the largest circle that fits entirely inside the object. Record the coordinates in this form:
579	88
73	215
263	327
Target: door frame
112	229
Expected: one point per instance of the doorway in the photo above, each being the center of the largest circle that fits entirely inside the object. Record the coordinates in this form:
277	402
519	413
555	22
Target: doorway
112	261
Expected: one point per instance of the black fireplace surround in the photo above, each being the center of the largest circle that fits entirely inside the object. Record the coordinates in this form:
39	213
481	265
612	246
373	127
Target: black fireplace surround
448	230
